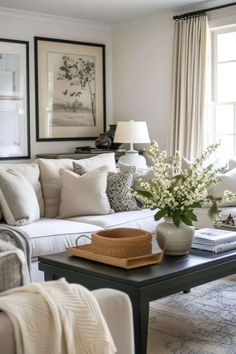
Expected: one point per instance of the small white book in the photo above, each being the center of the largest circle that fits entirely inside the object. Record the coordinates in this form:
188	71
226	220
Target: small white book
213	237
216	249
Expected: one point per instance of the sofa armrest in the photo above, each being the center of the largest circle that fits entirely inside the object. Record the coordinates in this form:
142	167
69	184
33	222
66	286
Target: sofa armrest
117	310
7	338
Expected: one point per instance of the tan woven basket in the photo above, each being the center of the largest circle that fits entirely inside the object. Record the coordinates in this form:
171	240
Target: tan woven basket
122	242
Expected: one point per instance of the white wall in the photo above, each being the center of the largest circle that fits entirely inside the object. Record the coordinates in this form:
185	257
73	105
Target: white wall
138	66
19	25
142	66
223	17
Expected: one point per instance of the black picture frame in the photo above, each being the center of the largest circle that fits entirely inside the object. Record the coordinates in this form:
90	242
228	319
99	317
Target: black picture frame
14	100
70	86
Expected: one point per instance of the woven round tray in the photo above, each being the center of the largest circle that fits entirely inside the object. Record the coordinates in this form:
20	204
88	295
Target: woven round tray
122	242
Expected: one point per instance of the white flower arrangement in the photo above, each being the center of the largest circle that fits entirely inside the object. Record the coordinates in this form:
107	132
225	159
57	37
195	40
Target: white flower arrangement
175	191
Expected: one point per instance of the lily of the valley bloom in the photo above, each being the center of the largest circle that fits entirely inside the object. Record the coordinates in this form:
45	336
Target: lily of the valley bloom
175	191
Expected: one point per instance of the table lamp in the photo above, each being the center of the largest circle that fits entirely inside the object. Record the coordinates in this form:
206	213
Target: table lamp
132	132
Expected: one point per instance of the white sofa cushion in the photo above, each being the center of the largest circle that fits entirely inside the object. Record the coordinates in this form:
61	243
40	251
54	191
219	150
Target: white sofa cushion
17	198
54	235
31	173
50	178
107	159
143	219
232	163
50	183
84	195
228	182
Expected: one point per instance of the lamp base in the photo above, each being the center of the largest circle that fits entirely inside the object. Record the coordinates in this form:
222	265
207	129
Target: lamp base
133	158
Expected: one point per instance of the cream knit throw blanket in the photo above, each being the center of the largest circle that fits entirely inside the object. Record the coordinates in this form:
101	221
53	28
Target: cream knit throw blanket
56	317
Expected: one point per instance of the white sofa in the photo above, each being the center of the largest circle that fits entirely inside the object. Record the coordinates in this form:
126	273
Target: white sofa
51	234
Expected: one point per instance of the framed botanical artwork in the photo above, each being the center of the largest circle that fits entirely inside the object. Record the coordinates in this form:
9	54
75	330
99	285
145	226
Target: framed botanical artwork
70	89
14	99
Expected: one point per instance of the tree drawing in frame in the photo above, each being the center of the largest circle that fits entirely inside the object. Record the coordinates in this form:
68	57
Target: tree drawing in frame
70	89
73	95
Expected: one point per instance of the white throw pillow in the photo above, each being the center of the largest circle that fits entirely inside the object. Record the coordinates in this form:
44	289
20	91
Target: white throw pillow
50	178
17	198
185	163
228	182
232	163
107	159
31	172
84	195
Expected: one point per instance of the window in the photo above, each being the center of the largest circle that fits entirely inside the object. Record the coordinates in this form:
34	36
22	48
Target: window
14	100
223	91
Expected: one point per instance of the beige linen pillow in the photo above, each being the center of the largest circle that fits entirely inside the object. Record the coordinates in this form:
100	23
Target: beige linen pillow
17	198
84	195
50	177
118	188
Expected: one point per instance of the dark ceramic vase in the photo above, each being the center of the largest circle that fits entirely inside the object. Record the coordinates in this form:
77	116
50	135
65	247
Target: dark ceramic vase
111	134
103	142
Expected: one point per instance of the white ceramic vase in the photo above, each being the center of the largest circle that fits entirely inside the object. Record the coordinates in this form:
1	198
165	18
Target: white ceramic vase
173	240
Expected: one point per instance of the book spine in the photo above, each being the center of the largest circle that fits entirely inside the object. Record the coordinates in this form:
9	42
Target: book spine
203	247
227	240
215	242
216	249
225	247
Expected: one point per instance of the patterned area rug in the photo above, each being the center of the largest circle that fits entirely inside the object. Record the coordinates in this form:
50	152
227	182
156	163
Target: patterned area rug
202	322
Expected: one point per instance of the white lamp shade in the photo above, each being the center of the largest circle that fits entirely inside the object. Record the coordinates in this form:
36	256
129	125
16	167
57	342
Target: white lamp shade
131	132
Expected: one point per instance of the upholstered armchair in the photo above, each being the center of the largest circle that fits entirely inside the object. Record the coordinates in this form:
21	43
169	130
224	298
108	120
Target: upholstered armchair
114	305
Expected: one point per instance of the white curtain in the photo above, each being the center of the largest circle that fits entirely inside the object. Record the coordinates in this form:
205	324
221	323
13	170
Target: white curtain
189	81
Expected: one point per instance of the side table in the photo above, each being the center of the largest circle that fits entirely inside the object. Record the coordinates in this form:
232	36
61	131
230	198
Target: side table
82	154
74	155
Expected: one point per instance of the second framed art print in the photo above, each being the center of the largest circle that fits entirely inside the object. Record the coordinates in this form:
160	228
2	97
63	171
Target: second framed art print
70	89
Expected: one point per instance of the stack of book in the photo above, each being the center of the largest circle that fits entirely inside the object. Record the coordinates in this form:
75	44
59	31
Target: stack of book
214	240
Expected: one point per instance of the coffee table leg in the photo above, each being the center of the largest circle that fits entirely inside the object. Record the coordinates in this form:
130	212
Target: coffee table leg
187	291
140	315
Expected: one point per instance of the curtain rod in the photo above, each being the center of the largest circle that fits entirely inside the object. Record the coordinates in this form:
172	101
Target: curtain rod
200	12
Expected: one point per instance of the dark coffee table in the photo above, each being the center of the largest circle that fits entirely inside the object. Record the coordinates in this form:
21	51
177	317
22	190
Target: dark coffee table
145	284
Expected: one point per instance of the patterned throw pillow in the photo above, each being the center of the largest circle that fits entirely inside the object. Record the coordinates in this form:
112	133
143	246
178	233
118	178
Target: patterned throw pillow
118	189
79	169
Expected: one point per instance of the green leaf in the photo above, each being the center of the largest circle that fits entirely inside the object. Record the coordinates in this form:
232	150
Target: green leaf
160	214
213	210
186	220
177	179
176	218
190	214
195	205
145	194
211	197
